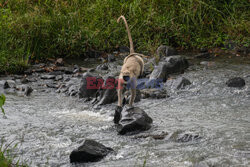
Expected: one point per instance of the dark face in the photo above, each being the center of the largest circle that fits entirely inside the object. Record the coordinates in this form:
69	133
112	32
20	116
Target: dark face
126	78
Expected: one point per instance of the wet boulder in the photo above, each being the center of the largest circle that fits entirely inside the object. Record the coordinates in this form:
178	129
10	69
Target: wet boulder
165	51
134	120
28	90
4	84
90	151
236	82
24	90
176	64
172	64
107	93
159	72
89	85
9	84
149	67
154	93
178	83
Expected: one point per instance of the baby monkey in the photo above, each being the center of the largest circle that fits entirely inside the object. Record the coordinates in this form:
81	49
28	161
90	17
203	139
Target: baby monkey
133	66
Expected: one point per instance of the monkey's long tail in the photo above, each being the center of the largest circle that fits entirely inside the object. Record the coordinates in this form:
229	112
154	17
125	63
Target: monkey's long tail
129	34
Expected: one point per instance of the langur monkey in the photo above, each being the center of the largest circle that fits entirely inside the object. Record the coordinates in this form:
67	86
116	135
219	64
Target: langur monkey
133	66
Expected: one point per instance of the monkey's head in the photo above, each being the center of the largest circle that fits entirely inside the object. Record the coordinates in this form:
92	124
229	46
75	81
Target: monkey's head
126	76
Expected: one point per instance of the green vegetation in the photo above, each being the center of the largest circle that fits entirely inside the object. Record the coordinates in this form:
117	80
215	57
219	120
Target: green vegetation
35	29
6	158
2	101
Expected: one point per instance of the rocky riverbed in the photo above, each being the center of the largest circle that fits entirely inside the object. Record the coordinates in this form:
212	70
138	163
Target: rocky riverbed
198	118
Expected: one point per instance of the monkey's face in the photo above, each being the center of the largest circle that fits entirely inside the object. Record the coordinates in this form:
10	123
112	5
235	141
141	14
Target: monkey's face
126	76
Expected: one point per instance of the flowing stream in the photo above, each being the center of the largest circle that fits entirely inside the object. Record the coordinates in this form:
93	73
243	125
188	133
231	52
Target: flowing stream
48	126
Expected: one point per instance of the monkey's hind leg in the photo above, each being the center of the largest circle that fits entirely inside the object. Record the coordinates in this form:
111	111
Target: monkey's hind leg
133	91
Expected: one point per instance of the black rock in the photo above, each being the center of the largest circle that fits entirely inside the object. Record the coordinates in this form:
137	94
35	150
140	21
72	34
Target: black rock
176	64
48	76
107	94
165	51
180	83
236	82
9	84
89	85
134	120
160	73
90	151
28	90
172	64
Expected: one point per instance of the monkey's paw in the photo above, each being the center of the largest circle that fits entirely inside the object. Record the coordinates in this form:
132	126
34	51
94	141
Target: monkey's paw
118	115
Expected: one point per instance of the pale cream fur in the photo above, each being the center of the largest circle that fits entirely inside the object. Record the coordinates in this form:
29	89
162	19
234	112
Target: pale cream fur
133	66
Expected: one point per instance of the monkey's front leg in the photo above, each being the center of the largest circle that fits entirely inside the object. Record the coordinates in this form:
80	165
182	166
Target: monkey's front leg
118	108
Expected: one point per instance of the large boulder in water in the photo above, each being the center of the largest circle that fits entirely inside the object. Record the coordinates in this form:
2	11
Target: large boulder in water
90	151
172	64
176	64
107	94
134	120
159	73
236	82
89	85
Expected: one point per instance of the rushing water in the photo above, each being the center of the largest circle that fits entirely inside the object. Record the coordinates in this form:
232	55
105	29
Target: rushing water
49	126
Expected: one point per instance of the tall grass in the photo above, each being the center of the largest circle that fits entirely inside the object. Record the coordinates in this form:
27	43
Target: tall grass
38	29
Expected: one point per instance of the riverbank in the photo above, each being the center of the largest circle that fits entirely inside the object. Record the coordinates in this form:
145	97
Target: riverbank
32	31
203	123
